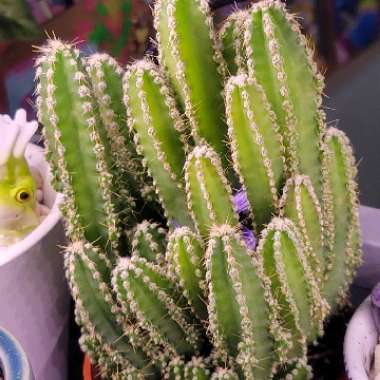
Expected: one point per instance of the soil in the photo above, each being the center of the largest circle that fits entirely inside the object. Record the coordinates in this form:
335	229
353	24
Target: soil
327	357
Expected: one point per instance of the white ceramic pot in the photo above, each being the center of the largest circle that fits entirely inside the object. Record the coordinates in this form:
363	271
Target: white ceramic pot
368	274
360	342
34	298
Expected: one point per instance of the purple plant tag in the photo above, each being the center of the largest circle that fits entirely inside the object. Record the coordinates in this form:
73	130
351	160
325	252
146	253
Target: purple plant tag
248	237
241	202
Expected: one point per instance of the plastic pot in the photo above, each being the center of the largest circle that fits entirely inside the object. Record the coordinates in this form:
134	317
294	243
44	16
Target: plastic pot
34	297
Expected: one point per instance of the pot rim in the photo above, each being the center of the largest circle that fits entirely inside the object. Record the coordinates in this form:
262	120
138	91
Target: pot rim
51	220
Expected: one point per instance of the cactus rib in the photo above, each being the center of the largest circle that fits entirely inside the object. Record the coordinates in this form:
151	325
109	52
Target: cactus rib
300	204
158	127
185	256
88	272
256	144
149	241
286	264
106	77
232	43
341	214
280	60
241	307
159	306
196	70
85	181
209	195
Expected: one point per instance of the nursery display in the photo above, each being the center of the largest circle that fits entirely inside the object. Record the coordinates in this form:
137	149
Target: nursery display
253	235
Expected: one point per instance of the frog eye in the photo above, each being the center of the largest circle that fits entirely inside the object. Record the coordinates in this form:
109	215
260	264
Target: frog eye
23	195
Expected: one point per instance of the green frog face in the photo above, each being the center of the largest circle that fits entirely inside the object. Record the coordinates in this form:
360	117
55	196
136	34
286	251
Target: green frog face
18	213
17	196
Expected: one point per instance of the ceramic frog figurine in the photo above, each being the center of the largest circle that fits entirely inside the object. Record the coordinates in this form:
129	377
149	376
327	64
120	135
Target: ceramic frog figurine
18	204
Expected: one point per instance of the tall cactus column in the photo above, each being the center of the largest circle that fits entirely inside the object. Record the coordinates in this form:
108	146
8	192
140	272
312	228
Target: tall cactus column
257	146
195	69
106	79
282	63
341	214
159	135
74	140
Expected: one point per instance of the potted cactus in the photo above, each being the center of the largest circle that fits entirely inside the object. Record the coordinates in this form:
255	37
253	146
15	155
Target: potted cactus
222	144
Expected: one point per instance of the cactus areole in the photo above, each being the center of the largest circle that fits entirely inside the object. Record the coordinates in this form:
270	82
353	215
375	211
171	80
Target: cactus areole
252	237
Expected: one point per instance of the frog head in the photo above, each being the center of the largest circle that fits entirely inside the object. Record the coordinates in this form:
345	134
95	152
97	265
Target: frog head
18	214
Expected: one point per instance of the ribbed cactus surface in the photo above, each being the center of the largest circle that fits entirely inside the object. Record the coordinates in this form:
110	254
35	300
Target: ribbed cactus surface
228	131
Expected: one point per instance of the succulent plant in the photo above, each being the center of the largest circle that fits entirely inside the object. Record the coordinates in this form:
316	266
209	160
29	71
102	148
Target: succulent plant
233	160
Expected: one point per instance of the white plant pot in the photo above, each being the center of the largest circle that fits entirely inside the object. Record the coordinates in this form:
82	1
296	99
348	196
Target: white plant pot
360	342
34	298
368	274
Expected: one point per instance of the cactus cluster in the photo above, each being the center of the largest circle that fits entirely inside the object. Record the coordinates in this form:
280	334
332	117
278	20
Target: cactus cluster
220	145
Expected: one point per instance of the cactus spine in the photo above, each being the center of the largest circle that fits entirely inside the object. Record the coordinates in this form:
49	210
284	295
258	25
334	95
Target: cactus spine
194	298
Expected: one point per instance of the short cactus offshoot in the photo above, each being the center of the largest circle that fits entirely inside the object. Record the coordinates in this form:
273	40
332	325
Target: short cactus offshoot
229	131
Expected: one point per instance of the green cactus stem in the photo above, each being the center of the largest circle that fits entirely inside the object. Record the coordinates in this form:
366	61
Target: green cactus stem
231	38
195	369
224	374
159	306
242	311
185	255
293	281
106	78
341	215
300	204
159	135
299	370
195	69
209	195
88	271
257	149
80	158
282	63
149	241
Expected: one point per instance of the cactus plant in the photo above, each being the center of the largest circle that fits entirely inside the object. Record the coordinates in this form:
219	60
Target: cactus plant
192	297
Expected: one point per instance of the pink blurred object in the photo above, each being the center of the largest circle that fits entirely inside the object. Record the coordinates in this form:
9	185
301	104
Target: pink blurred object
43	10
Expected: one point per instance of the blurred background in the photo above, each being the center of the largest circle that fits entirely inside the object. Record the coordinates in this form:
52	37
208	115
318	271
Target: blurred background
345	34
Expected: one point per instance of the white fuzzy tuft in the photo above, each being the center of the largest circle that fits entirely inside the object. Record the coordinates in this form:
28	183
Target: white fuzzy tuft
16	133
